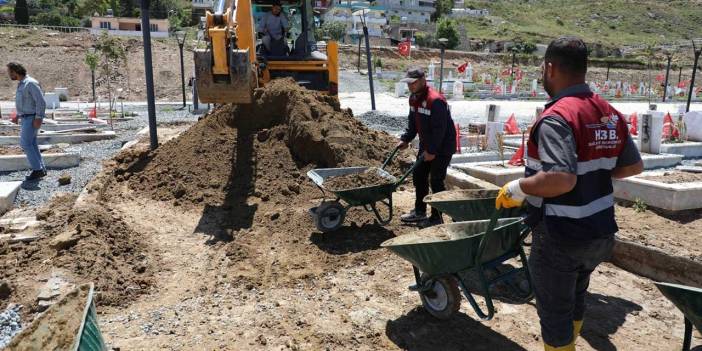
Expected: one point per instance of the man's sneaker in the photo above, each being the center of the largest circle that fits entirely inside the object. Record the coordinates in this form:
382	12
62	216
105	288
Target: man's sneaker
413	217
36	175
430	222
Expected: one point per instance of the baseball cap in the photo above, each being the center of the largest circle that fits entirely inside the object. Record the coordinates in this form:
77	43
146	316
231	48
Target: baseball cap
413	74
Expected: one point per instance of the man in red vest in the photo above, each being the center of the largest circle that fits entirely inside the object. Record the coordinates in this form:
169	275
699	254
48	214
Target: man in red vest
575	148
430	118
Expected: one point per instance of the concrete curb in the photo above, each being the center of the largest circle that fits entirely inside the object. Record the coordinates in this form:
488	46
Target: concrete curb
8	193
10	163
672	197
62	138
655	264
495	176
458	179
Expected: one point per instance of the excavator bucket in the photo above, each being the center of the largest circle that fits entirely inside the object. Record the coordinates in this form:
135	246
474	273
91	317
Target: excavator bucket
235	88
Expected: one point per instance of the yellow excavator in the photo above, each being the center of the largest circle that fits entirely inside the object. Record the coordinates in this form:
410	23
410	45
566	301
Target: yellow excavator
234	63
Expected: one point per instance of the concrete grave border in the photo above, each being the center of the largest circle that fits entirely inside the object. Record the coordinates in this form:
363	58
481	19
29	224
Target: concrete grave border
672	197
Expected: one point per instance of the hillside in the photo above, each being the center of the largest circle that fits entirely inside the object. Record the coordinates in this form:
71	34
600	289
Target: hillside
612	23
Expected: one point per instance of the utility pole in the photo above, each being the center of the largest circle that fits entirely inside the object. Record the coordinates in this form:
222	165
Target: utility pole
180	37
368	57
697	48
668	54
149	72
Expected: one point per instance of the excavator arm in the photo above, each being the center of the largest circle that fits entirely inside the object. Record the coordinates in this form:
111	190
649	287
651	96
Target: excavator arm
225	70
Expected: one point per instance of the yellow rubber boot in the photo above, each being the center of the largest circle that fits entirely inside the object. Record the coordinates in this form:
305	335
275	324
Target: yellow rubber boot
569	347
577	327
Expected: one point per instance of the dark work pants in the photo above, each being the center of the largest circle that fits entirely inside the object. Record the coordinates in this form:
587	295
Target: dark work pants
561	275
434	173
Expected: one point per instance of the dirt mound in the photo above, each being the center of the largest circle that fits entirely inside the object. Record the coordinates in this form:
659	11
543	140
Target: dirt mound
260	149
91	243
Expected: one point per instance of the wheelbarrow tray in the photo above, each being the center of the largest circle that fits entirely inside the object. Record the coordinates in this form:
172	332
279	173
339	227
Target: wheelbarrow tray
468	205
362	195
42	334
451	248
687	299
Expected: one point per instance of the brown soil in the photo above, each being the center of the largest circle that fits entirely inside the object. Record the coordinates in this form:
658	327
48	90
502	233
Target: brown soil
676	177
261	150
104	250
675	233
458	195
358	180
57	328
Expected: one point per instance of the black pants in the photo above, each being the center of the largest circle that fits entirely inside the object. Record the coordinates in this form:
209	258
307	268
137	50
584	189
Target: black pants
561	276
434	170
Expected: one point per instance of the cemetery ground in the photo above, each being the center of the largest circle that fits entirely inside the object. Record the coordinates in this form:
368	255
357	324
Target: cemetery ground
182	272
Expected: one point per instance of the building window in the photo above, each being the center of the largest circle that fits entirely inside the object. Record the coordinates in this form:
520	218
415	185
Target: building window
154	27
105	25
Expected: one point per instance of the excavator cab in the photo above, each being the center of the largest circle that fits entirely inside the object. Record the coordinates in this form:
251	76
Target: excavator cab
234	64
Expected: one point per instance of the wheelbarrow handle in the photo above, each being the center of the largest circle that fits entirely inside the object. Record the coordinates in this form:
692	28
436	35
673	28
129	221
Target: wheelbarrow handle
420	159
488	232
392	156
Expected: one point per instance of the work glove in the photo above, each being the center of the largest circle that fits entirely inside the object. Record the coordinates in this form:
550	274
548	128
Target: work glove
511	195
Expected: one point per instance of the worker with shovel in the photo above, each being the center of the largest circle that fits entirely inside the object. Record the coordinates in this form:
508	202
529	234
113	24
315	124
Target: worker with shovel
31	107
430	118
575	148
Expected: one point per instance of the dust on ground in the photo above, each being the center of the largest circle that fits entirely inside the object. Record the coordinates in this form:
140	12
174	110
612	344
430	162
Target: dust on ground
675	177
55	329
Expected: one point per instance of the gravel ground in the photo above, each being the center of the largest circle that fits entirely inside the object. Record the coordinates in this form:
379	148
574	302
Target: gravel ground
10	324
34	194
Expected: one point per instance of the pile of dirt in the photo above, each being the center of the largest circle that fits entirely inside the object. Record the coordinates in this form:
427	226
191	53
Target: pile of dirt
676	177
260	149
357	180
57	328
91	243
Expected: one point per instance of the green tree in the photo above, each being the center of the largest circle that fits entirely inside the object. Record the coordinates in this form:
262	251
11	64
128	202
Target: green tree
92	60
447	28
424	39
87	8
127	8
442	8
335	30
21	12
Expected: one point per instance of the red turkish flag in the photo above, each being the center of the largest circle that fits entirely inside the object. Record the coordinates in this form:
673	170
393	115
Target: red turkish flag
669	129
92	113
13	117
511	126
683	84
660	78
462	68
634	120
404	48
518	158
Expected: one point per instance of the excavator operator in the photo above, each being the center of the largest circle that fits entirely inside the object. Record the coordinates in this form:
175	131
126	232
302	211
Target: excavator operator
274	26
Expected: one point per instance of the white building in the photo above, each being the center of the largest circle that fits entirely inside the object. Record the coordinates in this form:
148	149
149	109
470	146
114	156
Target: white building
462	12
375	20
127	26
203	4
414	11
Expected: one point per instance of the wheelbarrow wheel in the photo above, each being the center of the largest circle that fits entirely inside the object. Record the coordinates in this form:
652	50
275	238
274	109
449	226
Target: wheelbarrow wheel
329	216
442	298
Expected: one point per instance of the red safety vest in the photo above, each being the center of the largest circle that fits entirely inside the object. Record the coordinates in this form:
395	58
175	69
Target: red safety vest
421	106
600	132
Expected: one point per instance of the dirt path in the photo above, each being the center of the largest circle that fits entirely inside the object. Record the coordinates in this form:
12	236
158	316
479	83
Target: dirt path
339	292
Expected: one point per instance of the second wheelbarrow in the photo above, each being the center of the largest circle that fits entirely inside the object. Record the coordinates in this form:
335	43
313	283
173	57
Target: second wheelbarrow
330	214
441	254
468	204
688	300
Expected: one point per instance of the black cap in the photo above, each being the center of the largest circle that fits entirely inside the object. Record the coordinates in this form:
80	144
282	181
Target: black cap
276	3
413	74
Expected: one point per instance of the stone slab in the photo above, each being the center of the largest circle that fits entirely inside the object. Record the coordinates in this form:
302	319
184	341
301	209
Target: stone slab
62	138
693	169
10	163
655	264
460	180
18	238
8	193
652	161
672	197
495	176
53	127
688	149
481	156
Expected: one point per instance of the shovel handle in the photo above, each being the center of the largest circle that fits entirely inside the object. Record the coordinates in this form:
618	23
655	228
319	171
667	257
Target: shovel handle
420	159
488	232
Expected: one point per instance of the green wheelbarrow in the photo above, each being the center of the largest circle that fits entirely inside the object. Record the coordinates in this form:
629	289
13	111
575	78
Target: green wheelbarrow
469	205
440	254
69	324
330	214
688	300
